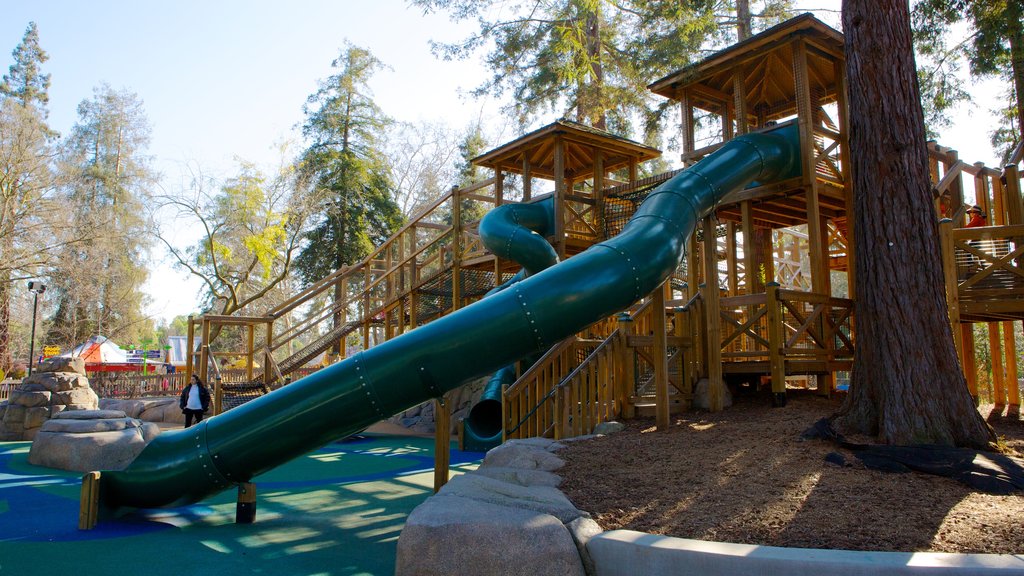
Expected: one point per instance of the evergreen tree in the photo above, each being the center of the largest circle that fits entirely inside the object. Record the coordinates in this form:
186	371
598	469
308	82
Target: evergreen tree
25	81
345	169
99	280
994	47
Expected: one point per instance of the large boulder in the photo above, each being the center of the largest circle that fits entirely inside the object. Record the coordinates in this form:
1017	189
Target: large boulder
702	395
149	409
529	454
544	499
453	535
87	440
507	517
59	385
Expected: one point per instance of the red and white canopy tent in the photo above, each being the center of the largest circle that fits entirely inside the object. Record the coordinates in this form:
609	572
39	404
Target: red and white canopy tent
103	355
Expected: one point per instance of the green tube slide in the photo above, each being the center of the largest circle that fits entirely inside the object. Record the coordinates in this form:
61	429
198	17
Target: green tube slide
529	316
513	232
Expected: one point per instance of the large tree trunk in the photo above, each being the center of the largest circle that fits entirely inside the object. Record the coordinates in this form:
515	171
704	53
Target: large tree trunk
907	386
744	24
5	325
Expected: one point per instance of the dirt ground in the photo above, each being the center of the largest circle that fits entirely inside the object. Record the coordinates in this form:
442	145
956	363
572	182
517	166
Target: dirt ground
744	475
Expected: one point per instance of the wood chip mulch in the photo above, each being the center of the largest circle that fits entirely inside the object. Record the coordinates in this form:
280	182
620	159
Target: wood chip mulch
744	475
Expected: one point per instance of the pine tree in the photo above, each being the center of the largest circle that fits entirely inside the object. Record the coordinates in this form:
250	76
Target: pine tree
24	80
346	170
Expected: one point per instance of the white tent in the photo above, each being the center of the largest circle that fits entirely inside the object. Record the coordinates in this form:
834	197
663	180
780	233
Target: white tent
99	350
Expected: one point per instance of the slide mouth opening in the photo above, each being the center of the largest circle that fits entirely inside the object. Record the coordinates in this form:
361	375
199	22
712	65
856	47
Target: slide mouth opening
485	418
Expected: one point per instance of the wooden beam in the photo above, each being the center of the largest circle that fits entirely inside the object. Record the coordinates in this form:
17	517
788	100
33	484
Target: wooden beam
442	442
560	192
659	353
687	127
739	94
716	396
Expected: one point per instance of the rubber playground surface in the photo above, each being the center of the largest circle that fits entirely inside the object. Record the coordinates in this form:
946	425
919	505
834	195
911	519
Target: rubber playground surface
335	511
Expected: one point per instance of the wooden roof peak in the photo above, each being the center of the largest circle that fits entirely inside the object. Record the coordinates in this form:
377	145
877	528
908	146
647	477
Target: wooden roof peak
825	38
582	144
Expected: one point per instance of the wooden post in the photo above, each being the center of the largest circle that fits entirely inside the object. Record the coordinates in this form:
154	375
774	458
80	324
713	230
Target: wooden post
599	224
499	199
995	348
442	442
190	356
750	270
250	353
527	179
559	169
1010	346
457	230
659	357
775	340
204	356
712	315
89	501
268	373
1011	189
687	125
816	233
952	288
245	506
969	364
681	332
627	382
730	258
739	96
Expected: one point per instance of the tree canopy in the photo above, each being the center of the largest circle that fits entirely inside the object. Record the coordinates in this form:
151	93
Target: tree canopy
993	48
589	59
109	179
251	230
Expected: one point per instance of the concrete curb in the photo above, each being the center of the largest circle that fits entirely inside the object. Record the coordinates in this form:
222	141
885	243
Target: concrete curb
628	553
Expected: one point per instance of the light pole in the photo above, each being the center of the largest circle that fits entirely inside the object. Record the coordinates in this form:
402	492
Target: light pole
36	288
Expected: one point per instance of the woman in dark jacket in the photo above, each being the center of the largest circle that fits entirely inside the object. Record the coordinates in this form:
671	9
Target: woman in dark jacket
194	401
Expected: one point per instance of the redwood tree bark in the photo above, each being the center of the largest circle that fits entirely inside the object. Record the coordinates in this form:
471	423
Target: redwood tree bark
907	386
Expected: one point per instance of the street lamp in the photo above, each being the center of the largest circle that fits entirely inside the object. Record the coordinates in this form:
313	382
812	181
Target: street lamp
36	288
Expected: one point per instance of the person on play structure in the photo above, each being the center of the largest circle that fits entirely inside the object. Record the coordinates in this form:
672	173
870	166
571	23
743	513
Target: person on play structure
194	401
977	217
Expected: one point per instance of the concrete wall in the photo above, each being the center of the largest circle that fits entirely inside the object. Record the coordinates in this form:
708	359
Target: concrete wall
628	553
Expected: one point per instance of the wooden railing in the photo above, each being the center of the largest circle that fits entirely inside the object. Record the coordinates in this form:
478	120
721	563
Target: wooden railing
135	385
527	406
984	270
584	381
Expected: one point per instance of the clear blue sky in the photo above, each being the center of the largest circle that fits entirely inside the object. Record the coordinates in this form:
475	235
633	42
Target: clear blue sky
227	78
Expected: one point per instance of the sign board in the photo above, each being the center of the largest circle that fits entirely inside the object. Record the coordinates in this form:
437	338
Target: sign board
49	351
137	356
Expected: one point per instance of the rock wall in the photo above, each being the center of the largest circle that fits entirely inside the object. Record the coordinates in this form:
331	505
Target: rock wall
421	418
59	384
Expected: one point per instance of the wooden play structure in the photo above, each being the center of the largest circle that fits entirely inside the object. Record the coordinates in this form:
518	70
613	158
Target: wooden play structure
763	297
